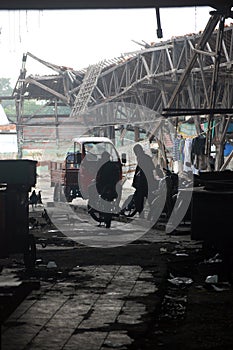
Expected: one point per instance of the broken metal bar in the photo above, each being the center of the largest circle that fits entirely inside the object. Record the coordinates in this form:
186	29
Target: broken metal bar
201	44
170	112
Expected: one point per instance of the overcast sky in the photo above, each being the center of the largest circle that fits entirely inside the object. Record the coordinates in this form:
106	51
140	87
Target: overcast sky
77	38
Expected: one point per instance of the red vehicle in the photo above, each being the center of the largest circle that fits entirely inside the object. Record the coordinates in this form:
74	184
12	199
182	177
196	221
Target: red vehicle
72	177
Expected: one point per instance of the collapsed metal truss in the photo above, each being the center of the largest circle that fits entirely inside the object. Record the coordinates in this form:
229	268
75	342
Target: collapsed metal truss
189	72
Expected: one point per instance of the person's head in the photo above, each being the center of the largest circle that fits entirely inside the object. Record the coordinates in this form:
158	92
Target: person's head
88	147
105	157
138	150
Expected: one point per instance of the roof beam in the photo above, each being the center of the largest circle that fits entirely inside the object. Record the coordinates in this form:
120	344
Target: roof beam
46	88
106	4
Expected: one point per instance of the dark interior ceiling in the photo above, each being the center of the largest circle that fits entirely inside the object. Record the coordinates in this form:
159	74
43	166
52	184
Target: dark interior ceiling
98	4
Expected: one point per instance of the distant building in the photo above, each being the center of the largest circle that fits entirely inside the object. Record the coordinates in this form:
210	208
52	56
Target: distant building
8	137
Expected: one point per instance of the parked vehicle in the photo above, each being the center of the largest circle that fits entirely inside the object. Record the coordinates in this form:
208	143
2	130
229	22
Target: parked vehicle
72	177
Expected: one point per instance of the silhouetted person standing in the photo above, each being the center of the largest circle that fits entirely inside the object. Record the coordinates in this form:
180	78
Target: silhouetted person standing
33	199
144	181
39	199
107	177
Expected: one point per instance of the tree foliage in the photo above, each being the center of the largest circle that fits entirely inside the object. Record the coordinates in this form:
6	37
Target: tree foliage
6	90
30	107
5	87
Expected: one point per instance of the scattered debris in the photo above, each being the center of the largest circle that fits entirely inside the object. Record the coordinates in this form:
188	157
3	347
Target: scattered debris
211	279
181	254
51	265
215	259
180	281
163	250
220	289
173	306
39	261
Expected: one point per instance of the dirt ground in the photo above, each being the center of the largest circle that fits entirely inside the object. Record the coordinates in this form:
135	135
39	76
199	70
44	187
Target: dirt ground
199	315
186	313
190	313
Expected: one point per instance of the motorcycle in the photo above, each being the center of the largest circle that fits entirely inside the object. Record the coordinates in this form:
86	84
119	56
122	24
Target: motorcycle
103	206
163	195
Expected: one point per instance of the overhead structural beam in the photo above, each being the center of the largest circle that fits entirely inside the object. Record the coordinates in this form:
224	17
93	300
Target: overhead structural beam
200	46
43	87
106	4
196	111
47	64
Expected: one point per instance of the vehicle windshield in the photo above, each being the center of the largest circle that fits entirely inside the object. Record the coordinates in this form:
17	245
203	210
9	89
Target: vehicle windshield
73	160
70	158
97	148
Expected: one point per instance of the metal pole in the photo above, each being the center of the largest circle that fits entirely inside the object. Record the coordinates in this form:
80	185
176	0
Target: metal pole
159	28
214	83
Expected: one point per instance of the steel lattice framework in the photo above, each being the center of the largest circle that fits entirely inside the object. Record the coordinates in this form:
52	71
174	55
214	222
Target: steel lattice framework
189	72
151	77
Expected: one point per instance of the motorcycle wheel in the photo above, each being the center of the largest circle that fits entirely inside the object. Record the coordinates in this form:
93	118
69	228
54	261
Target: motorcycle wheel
96	215
129	207
100	217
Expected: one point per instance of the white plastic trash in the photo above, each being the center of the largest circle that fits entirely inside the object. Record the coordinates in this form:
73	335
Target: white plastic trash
212	279
51	265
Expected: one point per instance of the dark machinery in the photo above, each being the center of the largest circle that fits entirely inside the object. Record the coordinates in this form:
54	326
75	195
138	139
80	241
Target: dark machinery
16	179
211	212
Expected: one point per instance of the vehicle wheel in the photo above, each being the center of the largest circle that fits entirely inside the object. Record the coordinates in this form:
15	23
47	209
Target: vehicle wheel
30	253
129	207
58	194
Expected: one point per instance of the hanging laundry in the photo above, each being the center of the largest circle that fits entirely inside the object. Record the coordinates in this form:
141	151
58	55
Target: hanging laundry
187	155
178	155
181	149
228	148
176	149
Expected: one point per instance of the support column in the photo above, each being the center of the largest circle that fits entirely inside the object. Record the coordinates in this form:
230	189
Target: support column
19	127
56	122
214	83
136	134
